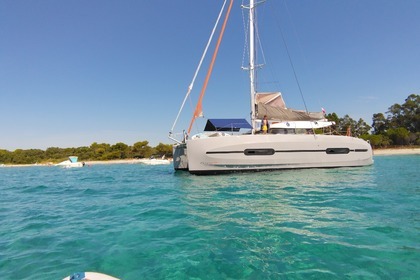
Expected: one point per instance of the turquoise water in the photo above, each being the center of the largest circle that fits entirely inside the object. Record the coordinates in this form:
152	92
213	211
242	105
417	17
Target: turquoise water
148	222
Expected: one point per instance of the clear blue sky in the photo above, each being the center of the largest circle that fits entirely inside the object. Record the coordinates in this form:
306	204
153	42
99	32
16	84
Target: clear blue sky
77	72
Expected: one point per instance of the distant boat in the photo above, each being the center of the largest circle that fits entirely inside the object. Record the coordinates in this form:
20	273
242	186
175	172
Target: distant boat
289	143
155	161
71	163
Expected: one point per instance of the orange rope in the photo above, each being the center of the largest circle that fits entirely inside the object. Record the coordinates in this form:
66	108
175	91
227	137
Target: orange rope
199	107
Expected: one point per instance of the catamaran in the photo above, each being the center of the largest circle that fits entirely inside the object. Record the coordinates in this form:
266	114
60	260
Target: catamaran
236	145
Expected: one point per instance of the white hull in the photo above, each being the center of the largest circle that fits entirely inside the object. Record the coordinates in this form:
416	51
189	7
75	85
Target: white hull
69	164
233	153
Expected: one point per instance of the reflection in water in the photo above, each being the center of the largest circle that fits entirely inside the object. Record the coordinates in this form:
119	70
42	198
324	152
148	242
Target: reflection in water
275	220
301	201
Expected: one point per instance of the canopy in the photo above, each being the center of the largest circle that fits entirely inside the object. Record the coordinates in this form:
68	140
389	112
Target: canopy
273	106
226	125
270	98
285	114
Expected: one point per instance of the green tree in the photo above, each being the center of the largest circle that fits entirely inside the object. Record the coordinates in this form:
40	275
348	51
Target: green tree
5	156
406	115
361	128
164	150
395	116
346	123
121	149
111	155
99	150
378	140
411	113
332	117
54	153
379	124
142	149
399	136
31	156
84	153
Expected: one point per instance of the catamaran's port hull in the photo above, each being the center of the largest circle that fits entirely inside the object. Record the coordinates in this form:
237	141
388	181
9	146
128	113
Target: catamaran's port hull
180	157
239	153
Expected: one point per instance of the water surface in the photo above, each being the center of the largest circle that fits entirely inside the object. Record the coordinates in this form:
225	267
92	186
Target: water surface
148	222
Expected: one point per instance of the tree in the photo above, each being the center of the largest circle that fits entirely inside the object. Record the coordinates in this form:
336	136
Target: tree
121	149
411	113
379	124
399	136
361	128
142	149
164	150
84	153
5	156
406	115
333	118
53	153
99	149
378	140
345	123
395	116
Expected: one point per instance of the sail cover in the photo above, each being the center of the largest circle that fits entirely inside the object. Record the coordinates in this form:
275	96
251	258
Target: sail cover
270	98
226	125
273	106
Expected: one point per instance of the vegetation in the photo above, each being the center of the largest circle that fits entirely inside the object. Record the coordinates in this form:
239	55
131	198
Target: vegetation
399	127
94	152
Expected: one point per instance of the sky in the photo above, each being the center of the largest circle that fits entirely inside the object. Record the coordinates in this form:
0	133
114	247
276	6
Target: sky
107	71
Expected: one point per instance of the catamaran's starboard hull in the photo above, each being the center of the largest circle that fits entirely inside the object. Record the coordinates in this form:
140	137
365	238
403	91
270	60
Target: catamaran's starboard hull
239	153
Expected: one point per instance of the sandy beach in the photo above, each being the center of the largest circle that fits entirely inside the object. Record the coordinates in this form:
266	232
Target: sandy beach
396	151
88	163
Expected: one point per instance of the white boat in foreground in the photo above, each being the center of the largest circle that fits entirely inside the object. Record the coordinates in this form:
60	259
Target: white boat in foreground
290	143
71	163
90	276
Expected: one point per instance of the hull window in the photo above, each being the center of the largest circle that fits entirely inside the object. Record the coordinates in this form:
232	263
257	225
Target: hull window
333	151
259	152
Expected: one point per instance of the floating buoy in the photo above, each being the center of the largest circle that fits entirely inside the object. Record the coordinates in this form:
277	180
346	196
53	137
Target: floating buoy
89	276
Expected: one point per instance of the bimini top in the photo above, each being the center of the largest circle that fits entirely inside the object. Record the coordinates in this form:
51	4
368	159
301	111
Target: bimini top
226	125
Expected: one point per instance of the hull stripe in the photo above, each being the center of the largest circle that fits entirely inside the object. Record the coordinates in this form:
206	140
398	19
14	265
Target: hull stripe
289	151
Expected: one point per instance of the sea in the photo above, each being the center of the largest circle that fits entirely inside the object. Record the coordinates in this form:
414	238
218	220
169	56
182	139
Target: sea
135	221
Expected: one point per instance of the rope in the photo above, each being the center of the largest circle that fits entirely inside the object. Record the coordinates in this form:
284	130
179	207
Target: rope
198	109
190	87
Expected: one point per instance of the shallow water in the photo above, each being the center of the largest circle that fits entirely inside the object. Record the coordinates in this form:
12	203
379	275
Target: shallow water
148	222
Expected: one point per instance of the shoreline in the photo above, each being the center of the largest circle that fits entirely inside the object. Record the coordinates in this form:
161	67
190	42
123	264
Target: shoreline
87	163
376	152
396	151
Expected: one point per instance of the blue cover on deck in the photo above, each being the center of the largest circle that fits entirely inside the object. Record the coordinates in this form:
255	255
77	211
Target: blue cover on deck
226	125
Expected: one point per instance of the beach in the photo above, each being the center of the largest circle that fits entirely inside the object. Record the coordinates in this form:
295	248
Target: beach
396	151
87	163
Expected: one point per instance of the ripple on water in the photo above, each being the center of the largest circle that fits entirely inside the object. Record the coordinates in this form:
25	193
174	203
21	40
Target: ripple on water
138	222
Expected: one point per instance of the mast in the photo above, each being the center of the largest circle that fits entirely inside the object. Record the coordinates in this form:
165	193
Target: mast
252	70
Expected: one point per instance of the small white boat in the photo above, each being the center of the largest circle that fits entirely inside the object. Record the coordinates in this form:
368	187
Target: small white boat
155	161
71	163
